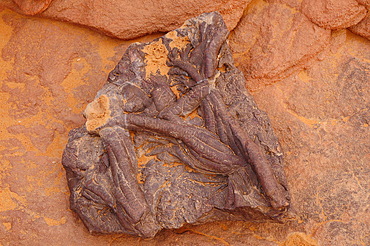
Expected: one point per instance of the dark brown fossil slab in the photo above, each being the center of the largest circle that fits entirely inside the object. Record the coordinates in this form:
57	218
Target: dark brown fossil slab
173	137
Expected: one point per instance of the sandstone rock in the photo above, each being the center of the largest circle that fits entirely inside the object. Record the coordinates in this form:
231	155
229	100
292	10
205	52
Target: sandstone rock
334	14
45	67
320	115
131	19
272	40
32	7
364	2
295	4
363	27
327	106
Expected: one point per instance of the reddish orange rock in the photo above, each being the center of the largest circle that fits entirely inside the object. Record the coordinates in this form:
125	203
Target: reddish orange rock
32	7
334	14
130	19
273	40
363	27
51	70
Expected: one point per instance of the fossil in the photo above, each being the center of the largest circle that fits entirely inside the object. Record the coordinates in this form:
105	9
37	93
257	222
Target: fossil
174	137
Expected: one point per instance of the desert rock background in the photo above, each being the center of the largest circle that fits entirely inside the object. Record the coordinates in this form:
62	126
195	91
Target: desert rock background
307	64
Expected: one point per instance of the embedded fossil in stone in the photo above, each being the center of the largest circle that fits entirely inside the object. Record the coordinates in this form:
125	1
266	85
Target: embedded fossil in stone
173	138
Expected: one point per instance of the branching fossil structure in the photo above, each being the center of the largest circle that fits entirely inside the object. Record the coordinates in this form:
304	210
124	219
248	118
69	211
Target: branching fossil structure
172	138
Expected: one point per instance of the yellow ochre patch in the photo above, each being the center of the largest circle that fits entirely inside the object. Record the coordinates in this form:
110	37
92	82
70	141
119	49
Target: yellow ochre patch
97	113
156	54
155	58
176	40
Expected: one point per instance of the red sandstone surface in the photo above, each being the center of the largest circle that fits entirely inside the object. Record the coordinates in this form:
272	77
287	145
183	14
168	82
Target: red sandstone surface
307	64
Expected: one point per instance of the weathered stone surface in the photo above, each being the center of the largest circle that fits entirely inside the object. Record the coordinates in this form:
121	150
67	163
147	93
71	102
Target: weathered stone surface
31	7
132	19
334	14
320	114
49	72
273	40
326	107
363	27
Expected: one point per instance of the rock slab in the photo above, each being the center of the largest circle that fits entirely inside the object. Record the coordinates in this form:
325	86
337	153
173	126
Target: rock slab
129	19
174	138
320	112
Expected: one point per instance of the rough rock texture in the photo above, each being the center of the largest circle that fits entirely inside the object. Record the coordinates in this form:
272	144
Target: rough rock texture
131	19
174	138
273	40
363	27
31	7
334	14
319	111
